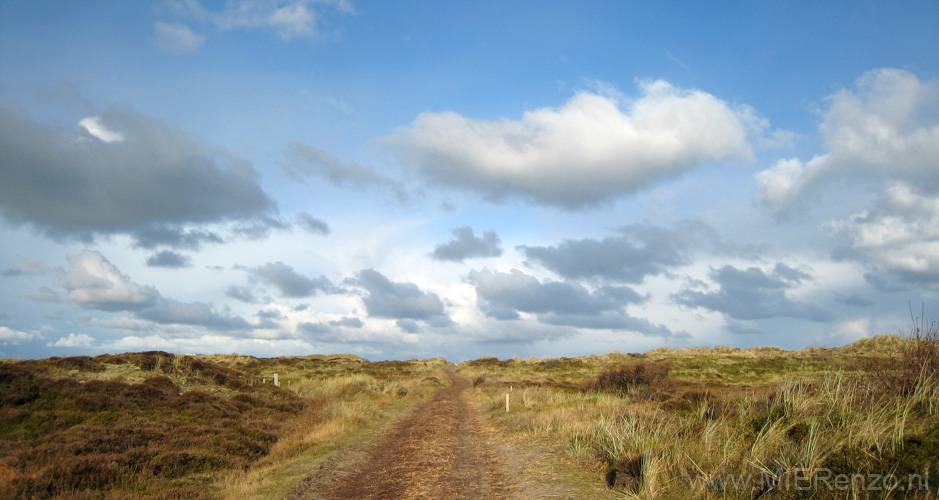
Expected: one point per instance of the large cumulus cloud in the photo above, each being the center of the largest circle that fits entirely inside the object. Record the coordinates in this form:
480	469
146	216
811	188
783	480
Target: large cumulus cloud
122	172
594	147
888	128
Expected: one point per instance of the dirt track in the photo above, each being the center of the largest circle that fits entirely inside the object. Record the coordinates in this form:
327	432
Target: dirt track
440	449
445	448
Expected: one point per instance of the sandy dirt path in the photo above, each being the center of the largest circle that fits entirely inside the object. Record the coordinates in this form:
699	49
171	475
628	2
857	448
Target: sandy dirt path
440	449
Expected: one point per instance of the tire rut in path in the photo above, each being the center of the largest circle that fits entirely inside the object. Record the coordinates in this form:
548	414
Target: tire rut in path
441	449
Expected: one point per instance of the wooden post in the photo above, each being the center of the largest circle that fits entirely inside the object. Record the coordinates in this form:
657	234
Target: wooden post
276	381
506	402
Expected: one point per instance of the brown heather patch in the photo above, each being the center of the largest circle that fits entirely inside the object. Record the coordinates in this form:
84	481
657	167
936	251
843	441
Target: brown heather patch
154	425
59	436
632	376
489	361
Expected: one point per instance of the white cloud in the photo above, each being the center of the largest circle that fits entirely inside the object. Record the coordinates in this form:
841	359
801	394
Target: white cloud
505	296
312	225
294	21
754	293
786	179
465	245
9	336
304	160
289	282
210	344
899	236
27	266
852	330
887	129
741	327
290	19
594	147
73	340
94	127
635	252
400	300
122	323
92	281
137	343
176	37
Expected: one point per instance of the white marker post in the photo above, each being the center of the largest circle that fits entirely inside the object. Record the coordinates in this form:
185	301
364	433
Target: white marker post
506	402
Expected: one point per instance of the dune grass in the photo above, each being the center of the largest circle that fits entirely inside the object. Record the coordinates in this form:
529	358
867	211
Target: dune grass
730	423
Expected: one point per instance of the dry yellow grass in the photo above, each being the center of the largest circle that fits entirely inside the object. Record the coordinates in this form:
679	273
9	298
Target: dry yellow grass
727	423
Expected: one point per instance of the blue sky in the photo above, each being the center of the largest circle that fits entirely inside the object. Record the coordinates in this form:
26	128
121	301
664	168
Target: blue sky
461	179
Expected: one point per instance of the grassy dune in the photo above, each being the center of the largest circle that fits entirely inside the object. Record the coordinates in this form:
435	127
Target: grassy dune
161	426
852	422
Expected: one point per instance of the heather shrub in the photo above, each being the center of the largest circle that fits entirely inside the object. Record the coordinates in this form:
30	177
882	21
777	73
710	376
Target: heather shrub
160	426
60	438
920	356
915	363
80	363
488	361
638	375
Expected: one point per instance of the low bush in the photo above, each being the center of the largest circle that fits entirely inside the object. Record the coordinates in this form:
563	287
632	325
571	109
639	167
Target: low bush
914	365
921	354
489	361
162	383
626	377
80	363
